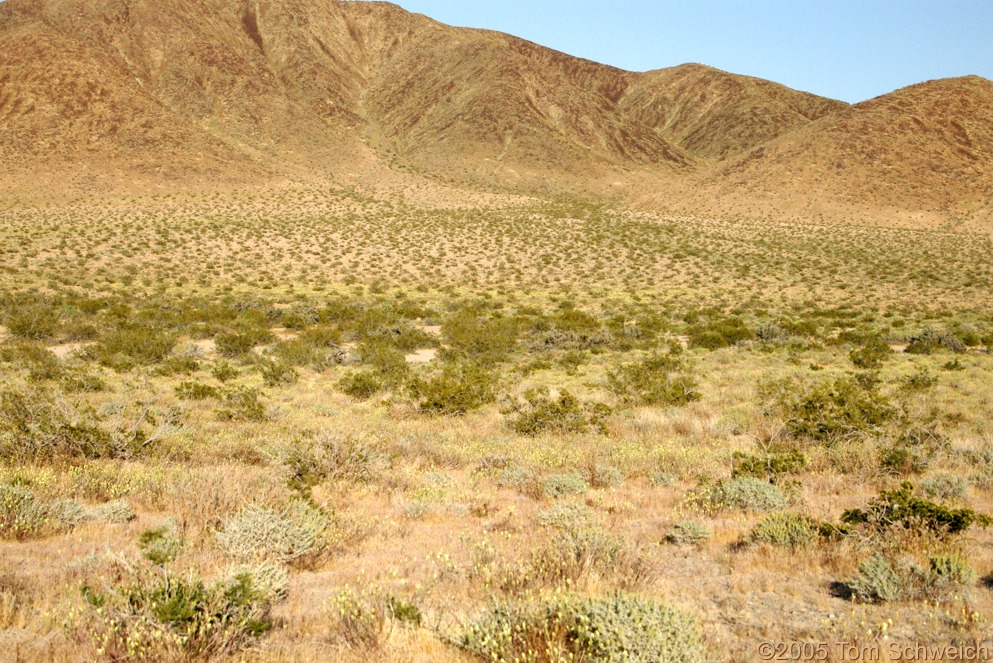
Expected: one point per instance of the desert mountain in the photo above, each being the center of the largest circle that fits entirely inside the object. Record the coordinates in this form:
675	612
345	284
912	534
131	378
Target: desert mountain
96	93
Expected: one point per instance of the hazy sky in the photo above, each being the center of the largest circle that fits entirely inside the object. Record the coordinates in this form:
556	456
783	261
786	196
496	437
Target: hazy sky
845	49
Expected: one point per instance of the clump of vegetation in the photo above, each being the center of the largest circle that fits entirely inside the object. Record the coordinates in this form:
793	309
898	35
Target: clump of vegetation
831	409
904	508
160	545
945	486
560	485
621	627
541	413
881	579
566	516
484	340
794	530
656	380
603	476
196	391
243	404
327	457
688	532
744	493
133	344
260	533
458	389
277	373
771	465
871	354
720	333
116	511
931	341
22	515
236	344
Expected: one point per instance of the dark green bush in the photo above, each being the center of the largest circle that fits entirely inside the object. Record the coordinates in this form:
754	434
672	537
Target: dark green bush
656	380
720	333
458	389
768	466
243	404
541	413
903	507
786	529
36	322
832	408
871	354
132	344
196	391
277	373
931	341
484	340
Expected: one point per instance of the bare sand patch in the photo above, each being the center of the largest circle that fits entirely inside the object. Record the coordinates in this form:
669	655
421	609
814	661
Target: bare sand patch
423	356
65	350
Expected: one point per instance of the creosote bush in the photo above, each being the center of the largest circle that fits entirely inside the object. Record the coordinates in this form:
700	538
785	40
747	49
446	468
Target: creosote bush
457	390
656	380
903	507
621	627
794	530
688	532
882	579
540	413
745	493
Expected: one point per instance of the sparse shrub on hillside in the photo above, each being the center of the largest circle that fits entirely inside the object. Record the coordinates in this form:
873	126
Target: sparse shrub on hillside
871	354
327	457
720	333
160	545
656	380
133	344
920	380
832	408
482	339
559	485
115	512
277	373
945	486
771	465
242	404
36	322
744	493
456	390
260	533
22	515
196	391
786	529
882	579
688	532
388	370
621	627
931	341
903	507
235	344
541	413
41	364
566	516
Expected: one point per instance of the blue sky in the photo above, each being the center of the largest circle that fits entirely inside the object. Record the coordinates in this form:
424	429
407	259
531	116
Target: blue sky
845	49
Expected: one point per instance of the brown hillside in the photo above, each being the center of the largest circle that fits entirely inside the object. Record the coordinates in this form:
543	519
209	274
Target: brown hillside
925	151
99	95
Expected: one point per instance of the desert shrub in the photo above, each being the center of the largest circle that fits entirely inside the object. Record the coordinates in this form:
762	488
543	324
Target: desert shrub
77	380
458	389
720	333
945	486
832	408
877	581
688	532
388	370
541	413
277	373
330	458
768	466
160	545
223	371
560	485
745	493
881	579
196	391
304	352
179	364
243	404
566	516
401	335
515	476
123	347
931	341
656	380
40	362
871	354
361	384
664	479
157	618
920	380
901	506
35	322
603	476
40	425
260	533
115	511
360	620
621	627
22	515
235	344
786	529
482	339
68	512
270	581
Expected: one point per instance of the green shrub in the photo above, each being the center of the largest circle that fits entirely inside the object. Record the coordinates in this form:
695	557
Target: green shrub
223	371
329	458
36	322
945	486
621	627
745	493
566	414
277	373
831	409
931	341
656	380
786	529
688	532
877	581
768	466
721	333
902	507
160	545
458	389
871	354
40	362
235	344
196	391
260	533
484	340
560	485
76	380
132	344
603	476
361	384
160	618
920	380
515	476
22	515
243	404
115	511
566	516
946	575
